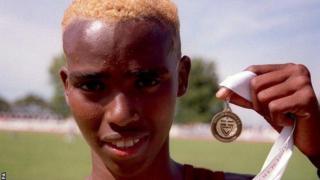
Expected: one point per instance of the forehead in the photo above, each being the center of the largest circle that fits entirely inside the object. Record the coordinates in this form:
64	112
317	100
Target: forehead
109	44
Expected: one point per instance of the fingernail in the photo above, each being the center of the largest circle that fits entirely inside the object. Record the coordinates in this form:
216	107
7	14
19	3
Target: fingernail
221	93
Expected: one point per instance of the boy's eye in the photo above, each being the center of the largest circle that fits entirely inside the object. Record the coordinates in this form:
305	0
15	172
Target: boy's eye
147	82
92	86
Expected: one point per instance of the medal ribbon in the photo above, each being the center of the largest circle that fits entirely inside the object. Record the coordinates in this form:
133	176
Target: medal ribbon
281	151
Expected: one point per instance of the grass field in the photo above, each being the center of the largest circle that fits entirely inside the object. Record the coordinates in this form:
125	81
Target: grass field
35	156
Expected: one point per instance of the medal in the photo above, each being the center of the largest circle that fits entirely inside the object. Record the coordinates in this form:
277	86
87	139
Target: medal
226	126
281	151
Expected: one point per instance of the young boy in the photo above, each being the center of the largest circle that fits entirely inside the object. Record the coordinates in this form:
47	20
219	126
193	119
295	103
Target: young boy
124	73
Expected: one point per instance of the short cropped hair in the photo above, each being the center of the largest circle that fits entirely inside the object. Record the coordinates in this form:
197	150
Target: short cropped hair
164	11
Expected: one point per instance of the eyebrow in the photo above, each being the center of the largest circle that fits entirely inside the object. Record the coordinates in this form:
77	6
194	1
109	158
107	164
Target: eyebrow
87	75
75	76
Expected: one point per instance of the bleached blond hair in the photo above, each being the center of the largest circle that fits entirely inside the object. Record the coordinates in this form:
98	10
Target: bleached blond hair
164	11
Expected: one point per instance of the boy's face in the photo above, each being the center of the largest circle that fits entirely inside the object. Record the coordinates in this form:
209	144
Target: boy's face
122	81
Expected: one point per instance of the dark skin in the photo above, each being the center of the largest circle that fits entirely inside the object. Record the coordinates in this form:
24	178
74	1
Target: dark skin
122	80
280	89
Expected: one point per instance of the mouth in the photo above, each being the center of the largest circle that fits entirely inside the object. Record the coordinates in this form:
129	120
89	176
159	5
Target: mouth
124	147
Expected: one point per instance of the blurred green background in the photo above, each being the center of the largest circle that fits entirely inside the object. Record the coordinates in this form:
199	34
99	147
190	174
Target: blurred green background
50	156
230	35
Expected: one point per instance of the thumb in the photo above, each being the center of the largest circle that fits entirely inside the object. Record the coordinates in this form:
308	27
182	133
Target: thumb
225	93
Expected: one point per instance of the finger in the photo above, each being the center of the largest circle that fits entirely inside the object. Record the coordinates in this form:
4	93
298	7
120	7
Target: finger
280	108
262	69
262	82
225	93
289	87
255	102
269	79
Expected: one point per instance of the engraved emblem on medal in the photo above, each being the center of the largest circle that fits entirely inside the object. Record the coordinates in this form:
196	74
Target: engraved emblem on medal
226	126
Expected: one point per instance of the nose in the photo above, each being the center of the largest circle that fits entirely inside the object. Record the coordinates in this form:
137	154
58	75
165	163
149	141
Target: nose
120	111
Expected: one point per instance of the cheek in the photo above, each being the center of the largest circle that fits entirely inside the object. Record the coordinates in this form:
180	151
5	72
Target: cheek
160	106
86	113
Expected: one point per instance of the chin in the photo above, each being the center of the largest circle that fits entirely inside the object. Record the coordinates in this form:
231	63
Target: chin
127	169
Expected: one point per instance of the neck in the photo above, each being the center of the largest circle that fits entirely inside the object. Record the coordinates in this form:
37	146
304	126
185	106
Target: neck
162	167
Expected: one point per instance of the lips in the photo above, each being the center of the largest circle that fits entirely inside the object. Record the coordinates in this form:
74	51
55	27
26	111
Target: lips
125	146
125	143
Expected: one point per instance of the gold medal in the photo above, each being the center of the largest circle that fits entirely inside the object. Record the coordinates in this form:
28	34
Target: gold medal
226	126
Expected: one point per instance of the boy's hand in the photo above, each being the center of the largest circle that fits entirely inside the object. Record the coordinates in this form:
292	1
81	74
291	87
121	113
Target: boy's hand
281	89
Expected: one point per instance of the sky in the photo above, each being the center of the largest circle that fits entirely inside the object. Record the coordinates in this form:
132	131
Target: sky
234	34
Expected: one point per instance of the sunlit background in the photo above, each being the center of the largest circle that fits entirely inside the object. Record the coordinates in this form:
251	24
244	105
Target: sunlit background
233	34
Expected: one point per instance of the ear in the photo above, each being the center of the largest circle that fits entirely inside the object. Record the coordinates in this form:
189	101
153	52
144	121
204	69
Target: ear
64	78
183	76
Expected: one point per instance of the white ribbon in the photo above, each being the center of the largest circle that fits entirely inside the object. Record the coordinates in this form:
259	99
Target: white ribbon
281	151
